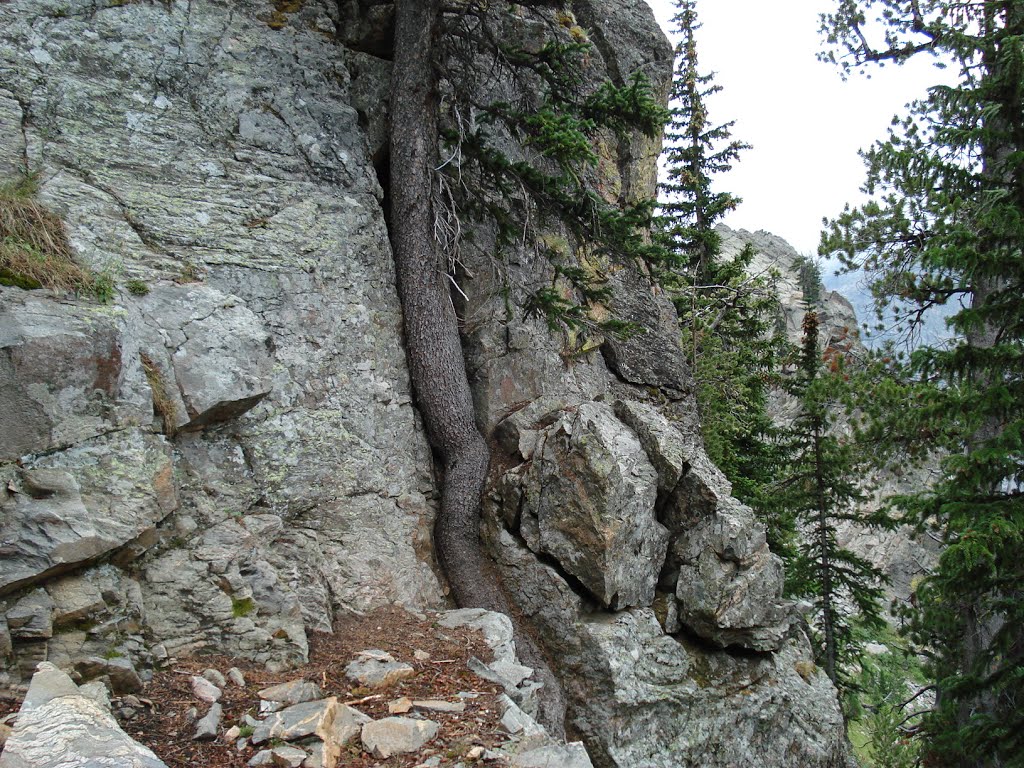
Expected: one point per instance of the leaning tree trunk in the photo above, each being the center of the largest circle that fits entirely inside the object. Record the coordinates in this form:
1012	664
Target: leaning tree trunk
436	362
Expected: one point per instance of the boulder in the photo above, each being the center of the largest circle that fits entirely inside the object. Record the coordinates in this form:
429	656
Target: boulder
588	502
378	669
311	718
293	692
728	584
58	727
397	736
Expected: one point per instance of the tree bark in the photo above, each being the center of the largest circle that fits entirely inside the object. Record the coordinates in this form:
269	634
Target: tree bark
433	347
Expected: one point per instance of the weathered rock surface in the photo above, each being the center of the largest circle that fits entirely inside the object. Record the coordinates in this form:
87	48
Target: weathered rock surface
397	735
244	427
588	502
59	727
266	332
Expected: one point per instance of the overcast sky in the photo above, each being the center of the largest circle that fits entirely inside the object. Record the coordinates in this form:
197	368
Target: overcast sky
804	123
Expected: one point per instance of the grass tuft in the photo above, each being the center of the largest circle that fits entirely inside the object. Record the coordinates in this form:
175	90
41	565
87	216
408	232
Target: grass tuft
34	248
163	405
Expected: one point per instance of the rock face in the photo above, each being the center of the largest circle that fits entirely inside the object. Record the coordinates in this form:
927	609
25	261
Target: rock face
241	419
226	455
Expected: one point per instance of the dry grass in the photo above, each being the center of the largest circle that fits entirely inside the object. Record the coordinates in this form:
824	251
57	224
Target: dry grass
34	248
162	403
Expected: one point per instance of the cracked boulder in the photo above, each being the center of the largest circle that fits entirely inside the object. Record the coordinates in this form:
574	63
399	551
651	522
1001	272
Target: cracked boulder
209	358
729	585
588	502
72	507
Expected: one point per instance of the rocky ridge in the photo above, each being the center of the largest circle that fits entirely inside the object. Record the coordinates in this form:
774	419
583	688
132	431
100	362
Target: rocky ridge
228	457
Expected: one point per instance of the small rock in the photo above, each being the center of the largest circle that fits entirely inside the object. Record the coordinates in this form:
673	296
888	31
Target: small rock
291	693
421	655
215	677
378	669
475	753
285	757
430	762
397	735
400	706
232	733
191	714
204	690
206	729
235	676
434	705
5	731
311	718
563	755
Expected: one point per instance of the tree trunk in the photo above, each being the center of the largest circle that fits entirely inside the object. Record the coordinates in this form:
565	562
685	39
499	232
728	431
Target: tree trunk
436	361
431	328
824	550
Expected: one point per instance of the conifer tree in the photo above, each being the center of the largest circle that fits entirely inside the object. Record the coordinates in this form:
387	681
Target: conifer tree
727	316
820	486
945	226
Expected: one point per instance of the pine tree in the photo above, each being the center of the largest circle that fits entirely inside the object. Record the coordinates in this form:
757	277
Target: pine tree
945	226
726	315
821	487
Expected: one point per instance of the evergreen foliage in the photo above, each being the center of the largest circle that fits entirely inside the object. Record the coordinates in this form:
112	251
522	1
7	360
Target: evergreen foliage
945	226
820	487
727	317
527	160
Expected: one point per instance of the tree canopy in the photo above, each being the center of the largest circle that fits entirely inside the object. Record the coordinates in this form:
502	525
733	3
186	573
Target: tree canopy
945	226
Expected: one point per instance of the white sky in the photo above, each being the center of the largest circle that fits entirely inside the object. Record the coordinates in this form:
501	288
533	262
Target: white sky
804	123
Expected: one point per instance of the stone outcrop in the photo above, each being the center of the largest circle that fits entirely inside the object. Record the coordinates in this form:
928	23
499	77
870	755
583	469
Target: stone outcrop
227	455
239	415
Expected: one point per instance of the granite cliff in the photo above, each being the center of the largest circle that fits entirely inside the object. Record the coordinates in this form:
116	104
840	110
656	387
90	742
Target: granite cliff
227	455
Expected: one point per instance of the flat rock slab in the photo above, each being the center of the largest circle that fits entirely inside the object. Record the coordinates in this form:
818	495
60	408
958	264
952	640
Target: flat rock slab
291	693
397	735
310	718
377	669
59	727
561	755
285	757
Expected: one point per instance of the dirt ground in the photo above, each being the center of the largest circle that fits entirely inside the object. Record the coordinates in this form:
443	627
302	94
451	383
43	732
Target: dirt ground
164	725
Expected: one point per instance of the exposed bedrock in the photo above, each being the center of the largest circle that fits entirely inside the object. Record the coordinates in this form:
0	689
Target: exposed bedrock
227	454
